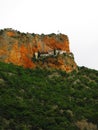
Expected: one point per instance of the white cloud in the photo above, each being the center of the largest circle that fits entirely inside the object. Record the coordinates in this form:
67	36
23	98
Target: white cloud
76	18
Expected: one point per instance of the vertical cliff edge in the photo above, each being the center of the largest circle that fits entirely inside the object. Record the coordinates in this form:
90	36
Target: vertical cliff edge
34	50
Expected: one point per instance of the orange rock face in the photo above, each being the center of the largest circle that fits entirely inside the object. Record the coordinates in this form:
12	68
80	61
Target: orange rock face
61	43
10	33
19	48
19	56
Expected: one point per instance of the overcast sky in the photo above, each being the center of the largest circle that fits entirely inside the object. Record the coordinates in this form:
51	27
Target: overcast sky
76	18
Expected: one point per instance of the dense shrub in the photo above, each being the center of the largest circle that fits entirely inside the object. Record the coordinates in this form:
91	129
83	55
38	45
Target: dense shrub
47	99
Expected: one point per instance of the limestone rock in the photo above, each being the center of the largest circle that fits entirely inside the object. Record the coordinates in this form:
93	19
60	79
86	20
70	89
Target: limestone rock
20	49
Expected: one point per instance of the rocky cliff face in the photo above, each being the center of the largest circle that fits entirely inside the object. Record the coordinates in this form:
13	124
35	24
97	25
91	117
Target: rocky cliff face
34	50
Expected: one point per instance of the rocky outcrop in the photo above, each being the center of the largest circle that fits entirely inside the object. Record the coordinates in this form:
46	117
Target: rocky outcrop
20	49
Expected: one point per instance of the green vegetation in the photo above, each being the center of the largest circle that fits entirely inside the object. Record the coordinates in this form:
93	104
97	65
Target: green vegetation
1	32
47	99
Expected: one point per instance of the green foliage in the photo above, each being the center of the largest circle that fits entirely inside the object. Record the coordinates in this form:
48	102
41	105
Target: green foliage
43	99
33	34
52	34
1	32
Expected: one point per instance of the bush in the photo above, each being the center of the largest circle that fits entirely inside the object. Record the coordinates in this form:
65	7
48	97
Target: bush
47	99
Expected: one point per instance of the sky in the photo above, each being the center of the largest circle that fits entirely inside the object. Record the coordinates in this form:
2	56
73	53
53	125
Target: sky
76	18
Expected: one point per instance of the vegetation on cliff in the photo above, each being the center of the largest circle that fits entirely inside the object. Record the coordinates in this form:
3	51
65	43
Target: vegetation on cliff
42	99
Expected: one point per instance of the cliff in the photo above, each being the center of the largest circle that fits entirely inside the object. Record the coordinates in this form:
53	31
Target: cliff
34	50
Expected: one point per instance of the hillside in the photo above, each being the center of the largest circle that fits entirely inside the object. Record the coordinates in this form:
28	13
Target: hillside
33	50
43	99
